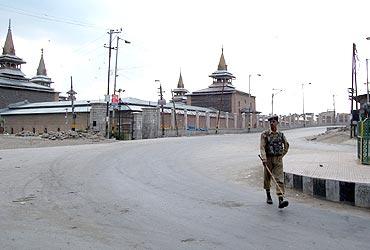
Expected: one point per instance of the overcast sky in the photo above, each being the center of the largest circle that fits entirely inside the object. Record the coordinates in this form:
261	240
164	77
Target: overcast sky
289	42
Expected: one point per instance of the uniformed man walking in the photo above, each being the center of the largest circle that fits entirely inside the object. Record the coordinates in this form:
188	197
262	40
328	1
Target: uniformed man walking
274	147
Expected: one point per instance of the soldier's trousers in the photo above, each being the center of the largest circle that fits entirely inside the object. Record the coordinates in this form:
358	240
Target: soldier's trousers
275	164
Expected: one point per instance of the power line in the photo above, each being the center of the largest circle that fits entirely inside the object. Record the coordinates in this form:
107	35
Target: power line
47	17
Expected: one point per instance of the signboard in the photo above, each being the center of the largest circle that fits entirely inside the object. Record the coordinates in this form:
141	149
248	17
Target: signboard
115	99
161	102
107	98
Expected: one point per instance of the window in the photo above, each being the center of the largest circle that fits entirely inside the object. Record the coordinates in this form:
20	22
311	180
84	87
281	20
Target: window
94	123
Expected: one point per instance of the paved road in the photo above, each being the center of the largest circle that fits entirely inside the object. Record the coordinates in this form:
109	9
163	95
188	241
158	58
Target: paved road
174	193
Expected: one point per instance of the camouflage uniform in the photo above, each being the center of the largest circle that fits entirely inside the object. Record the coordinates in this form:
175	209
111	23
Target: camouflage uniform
273	147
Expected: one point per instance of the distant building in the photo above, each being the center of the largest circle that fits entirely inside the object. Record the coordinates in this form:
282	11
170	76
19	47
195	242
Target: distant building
222	95
180	92
14	86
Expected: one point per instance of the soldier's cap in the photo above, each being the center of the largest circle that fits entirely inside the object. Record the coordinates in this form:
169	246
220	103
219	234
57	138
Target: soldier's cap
273	118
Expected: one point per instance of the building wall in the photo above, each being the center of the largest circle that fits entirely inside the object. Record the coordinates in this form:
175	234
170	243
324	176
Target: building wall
10	95
39	123
212	101
241	101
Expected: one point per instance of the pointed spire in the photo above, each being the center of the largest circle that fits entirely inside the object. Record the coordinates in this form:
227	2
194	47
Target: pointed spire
41	70
180	84
9	46
222	64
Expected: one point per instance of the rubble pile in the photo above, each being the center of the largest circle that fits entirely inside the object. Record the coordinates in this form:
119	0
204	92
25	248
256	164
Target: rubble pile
62	135
70	134
25	133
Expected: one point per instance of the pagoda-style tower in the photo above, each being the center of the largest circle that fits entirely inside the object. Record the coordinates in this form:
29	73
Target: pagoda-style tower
10	64
14	86
41	77
222	95
218	95
222	77
180	91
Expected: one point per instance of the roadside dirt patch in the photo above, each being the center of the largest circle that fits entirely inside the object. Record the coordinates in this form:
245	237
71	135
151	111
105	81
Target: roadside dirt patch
13	142
333	135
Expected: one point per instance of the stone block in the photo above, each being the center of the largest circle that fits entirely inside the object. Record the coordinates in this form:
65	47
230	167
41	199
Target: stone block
332	190
319	188
288	179
297	182
362	195
307	185
347	192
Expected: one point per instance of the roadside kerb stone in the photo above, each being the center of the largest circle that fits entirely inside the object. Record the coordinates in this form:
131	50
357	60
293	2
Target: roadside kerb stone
362	195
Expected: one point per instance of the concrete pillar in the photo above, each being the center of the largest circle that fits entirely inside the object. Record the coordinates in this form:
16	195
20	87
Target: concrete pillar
227	119
208	120
185	119
137	126
196	120
251	121
98	116
243	120
235	120
172	118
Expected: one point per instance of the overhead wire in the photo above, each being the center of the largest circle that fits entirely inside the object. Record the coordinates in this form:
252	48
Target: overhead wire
48	17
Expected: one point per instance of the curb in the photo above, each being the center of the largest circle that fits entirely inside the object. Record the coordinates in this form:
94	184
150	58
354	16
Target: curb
355	194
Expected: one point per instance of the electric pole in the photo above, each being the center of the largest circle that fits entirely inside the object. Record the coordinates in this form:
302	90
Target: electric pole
71	94
221	105
107	97
334	121
161	103
174	110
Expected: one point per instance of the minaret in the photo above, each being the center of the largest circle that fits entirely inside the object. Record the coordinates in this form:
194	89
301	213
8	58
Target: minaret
180	91
41	77
10	64
222	77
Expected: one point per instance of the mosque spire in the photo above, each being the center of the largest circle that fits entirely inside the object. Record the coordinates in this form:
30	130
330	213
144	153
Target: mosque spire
41	70
9	45
222	64
180	84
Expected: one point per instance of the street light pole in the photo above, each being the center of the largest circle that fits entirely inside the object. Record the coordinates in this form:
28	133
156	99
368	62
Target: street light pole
250	101
272	98
111	32
304	114
367	82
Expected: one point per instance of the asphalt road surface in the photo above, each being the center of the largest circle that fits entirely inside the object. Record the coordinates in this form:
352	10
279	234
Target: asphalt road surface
172	193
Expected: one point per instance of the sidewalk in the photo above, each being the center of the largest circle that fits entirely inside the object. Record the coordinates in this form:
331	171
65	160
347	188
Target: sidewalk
329	171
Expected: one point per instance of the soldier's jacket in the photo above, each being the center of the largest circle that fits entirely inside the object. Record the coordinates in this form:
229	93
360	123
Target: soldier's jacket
273	144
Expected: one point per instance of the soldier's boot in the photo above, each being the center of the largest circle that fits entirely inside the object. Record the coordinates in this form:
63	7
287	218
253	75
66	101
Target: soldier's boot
268	200
282	203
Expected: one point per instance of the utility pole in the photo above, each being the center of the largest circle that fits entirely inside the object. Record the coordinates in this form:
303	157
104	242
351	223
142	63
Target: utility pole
161	102
174	110
71	94
334	121
219	110
304	114
353	89
115	78
107	97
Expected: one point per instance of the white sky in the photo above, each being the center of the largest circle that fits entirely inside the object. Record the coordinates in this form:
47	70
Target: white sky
288	42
